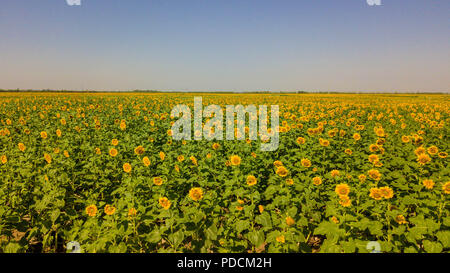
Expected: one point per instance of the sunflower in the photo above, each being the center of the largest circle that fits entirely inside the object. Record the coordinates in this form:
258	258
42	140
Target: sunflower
317	180
196	194
373	158
405	139
290	181
180	158
48	158
305	162
261	208
280	239
335	173
290	221
356	136
446	188
442	154
66	153
345	201
374	174
373	148
342	189
109	210
375	193
193	160
44	134
428	183
377	164
91	210
164	202
379	131
113	152
420	150
146	161
235	160
324	142
114	142
380	141
251	180
282	171
348	151
58	132
335	220
216	146
386	192
98	151
300	140
21	147
127	167
400	219
139	150
162	155
4	159
132	212
157	181
277	163
362	177
123	125
423	159
433	150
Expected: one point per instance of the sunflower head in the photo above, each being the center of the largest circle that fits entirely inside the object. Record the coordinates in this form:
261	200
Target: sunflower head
428	183
342	189
127	167
196	194
282	171
375	193
235	160
317	180
109	210
91	210
164	202
251	180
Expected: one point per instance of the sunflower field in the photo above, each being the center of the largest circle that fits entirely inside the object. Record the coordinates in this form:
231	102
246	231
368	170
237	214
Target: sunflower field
102	170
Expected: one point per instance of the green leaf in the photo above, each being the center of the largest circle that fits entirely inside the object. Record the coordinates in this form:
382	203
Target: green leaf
176	238
154	237
256	237
331	230
264	220
242	225
432	247
444	238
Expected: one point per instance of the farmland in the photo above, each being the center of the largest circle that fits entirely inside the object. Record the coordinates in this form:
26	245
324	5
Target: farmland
102	169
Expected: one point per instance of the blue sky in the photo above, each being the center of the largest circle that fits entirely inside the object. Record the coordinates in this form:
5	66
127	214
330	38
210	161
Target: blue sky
236	45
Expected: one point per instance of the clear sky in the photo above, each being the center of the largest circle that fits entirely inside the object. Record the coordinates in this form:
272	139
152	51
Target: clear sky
235	45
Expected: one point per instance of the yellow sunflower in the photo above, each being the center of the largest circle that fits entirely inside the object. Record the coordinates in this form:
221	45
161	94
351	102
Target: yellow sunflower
251	180
235	160
196	194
